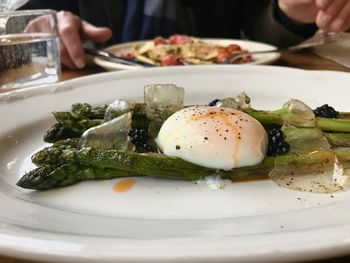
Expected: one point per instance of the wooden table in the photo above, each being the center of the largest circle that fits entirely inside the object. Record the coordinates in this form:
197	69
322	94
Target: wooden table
303	60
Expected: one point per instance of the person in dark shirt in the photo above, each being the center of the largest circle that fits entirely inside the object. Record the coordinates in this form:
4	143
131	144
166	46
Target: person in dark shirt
278	22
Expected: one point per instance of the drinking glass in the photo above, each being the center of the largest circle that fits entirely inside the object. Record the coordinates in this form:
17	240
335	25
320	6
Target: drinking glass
10	5
29	48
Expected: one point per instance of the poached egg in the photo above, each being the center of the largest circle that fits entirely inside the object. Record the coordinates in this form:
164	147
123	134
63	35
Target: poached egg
213	137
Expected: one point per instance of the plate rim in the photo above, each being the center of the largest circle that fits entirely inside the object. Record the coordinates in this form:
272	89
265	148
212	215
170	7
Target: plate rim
73	249
61	86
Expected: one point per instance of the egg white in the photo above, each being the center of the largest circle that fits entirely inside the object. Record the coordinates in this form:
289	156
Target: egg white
214	137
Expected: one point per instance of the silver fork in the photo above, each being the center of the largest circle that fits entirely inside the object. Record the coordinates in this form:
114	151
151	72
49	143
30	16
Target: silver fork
108	56
320	38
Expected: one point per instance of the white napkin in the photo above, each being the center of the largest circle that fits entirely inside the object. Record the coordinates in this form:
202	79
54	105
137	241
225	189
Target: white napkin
338	52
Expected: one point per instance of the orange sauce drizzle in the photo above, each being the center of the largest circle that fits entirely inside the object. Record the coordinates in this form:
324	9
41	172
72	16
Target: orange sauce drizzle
124	185
224	116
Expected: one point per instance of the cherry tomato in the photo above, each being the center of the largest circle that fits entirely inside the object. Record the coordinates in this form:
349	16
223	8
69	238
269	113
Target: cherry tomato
171	60
128	56
233	48
223	55
179	39
159	41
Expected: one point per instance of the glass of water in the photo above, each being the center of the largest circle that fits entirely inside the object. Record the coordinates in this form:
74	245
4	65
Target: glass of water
10	5
29	48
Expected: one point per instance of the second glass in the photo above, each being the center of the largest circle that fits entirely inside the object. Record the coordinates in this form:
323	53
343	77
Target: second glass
29	48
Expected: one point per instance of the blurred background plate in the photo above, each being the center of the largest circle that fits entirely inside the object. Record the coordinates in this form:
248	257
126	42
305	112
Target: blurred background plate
251	46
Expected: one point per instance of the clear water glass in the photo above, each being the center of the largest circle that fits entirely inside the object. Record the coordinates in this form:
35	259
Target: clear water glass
29	48
10	5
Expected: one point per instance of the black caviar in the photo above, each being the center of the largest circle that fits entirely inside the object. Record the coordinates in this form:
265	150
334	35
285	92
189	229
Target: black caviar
213	102
325	111
140	138
277	145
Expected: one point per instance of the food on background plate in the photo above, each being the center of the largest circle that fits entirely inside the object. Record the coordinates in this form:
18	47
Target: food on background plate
296	147
182	49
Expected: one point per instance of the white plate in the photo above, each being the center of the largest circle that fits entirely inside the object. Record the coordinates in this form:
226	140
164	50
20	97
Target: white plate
121	49
163	220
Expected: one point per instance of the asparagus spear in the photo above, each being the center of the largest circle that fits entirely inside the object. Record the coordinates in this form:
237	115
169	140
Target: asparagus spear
40	158
68	126
276	118
101	164
48	177
58	132
73	124
338	139
85	110
77	122
83	116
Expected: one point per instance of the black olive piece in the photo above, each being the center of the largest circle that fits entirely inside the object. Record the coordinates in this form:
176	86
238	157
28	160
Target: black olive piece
276	145
139	137
213	102
325	111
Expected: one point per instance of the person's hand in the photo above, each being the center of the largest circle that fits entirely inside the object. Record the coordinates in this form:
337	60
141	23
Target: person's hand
73	32
331	15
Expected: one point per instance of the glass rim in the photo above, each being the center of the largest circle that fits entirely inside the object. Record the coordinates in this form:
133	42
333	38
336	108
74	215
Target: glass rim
28	12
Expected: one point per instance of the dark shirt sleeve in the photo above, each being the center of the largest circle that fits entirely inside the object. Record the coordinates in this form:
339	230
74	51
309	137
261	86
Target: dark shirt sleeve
265	22
259	20
305	30
68	5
